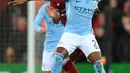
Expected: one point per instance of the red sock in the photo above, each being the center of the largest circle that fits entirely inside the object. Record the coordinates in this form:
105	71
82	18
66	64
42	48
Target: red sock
70	68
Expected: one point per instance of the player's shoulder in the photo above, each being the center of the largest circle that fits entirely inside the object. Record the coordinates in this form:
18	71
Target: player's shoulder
42	8
45	4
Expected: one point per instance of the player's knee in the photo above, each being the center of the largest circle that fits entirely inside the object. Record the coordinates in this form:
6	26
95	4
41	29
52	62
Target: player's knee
62	51
93	57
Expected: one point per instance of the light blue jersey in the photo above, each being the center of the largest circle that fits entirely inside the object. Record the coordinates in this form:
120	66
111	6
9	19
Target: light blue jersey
54	31
79	16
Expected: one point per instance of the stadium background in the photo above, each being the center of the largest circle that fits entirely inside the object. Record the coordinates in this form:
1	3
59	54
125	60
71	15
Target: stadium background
108	25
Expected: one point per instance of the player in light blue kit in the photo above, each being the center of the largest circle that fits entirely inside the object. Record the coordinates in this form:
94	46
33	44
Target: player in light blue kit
53	35
78	34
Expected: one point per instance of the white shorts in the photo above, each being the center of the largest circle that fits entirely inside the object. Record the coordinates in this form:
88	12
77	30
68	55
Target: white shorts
87	43
47	60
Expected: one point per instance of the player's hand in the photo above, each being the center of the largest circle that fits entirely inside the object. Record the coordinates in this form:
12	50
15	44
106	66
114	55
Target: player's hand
51	11
43	30
17	2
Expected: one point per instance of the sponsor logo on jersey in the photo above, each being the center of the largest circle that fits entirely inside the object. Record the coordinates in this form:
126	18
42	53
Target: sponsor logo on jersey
84	10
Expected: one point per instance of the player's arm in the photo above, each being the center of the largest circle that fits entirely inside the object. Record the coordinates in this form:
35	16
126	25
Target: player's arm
38	19
52	12
17	2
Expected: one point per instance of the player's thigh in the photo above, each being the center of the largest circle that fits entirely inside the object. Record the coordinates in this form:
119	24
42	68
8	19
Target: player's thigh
68	41
89	45
47	61
76	55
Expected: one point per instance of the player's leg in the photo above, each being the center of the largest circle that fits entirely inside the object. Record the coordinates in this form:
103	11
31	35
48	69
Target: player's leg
65	48
47	62
95	59
92	51
76	55
59	56
69	64
70	68
63	71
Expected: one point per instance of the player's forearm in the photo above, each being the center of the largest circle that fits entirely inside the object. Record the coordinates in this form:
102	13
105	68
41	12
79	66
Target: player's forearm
37	27
38	21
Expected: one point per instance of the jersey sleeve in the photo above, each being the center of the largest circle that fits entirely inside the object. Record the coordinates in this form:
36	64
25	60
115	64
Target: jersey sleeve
39	17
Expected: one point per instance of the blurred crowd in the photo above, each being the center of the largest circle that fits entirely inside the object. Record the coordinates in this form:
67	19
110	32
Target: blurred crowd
13	31
118	12
13	34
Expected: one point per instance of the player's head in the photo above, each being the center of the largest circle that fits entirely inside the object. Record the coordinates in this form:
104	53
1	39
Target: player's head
58	4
